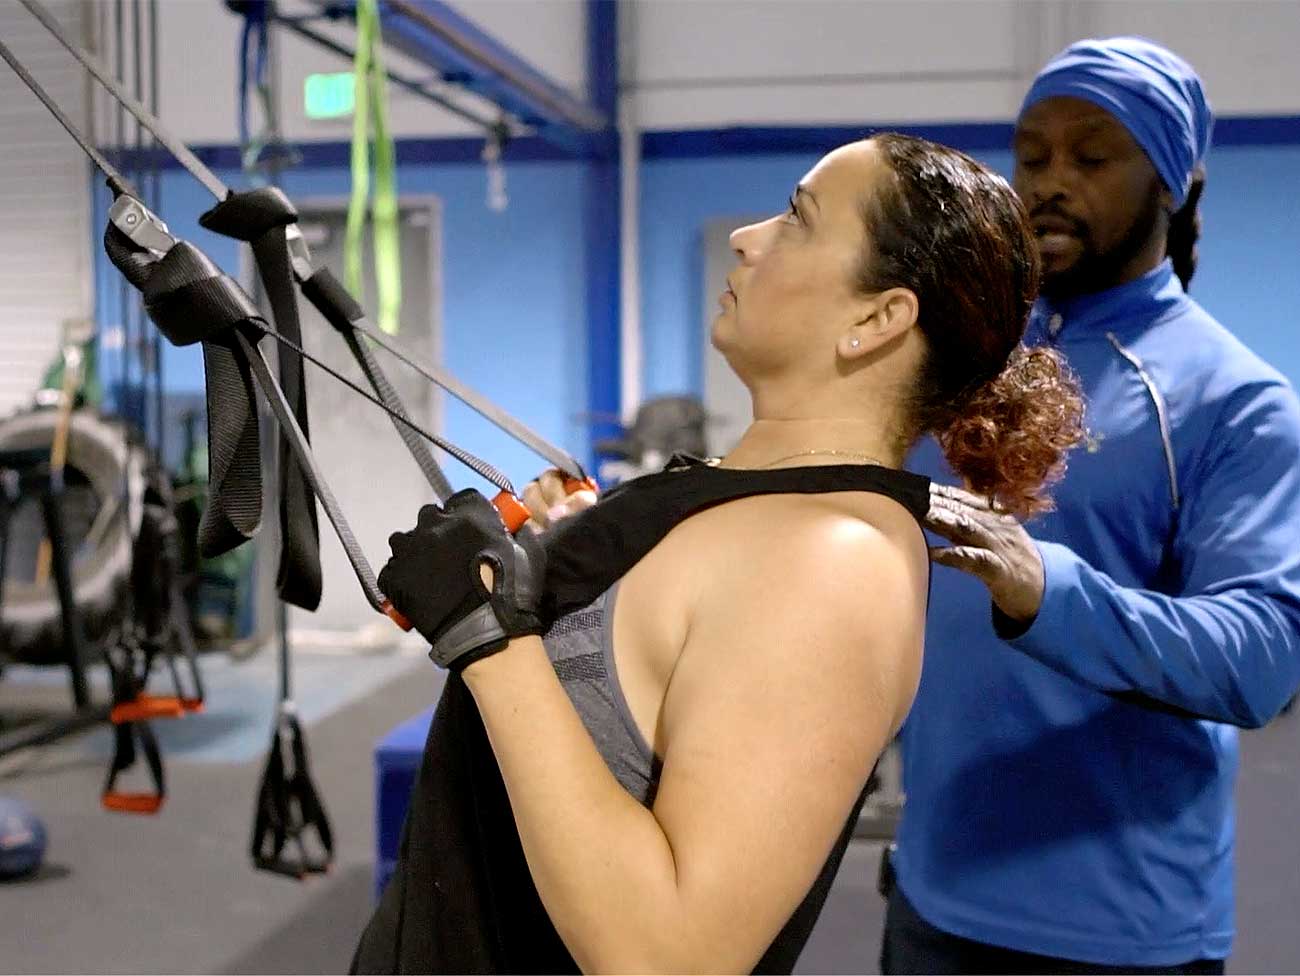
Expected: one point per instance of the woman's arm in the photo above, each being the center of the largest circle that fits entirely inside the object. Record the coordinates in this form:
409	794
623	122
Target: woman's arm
794	674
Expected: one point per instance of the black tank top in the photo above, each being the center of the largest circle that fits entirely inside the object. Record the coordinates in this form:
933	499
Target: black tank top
461	898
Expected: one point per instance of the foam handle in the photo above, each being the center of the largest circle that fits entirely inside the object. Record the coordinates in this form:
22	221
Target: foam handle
573	485
394	615
132	802
513	512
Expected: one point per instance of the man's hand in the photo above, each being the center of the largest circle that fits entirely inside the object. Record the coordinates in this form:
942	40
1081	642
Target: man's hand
547	502
990	545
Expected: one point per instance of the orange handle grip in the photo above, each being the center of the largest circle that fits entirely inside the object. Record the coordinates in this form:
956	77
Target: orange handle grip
572	485
395	615
513	512
132	802
146	707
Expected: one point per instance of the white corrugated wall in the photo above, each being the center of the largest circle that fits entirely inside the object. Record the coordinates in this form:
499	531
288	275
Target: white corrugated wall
45	261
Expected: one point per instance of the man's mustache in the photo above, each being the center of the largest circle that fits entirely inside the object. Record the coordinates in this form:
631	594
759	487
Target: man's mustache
1050	209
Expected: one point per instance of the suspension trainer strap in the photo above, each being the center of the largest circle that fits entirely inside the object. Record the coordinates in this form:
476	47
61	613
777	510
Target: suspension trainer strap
190	301
261	218
341	310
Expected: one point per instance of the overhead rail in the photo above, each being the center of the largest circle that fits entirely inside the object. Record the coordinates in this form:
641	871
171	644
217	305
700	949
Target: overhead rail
464	56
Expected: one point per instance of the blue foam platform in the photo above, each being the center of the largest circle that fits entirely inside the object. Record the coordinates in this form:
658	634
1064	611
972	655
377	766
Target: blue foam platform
397	760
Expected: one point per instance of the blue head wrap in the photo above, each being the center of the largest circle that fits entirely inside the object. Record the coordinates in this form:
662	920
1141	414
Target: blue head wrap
1153	93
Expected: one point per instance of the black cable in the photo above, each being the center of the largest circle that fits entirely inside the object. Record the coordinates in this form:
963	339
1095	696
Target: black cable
155	204
475	464
125	292
137	344
178	149
116	180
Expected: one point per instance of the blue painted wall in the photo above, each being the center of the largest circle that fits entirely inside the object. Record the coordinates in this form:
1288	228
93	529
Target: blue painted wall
1249	275
513	302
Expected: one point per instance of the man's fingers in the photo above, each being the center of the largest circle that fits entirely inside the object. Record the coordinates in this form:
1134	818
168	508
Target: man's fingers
551	483
579	501
547	502
535	501
968	559
963	497
957	524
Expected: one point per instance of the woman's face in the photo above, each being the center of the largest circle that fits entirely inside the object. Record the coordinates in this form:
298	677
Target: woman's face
793	293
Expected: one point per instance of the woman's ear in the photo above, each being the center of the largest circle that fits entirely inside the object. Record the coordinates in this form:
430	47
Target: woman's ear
890	314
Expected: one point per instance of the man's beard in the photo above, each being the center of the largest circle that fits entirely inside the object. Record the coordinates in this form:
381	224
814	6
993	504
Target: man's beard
1095	271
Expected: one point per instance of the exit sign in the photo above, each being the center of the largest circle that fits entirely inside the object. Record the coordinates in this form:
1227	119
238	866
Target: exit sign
330	96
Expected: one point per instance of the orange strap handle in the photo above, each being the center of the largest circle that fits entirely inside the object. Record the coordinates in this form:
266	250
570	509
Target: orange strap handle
146	707
132	802
514	513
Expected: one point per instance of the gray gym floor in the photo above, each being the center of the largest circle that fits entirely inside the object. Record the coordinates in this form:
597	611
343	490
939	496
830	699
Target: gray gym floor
175	893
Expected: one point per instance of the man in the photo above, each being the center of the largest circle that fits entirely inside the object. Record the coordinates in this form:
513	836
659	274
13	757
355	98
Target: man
1070	759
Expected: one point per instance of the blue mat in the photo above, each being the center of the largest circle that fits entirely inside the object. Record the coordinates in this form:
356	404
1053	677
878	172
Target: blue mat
397	761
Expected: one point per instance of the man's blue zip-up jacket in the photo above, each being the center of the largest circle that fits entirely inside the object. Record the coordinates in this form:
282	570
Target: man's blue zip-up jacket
1069	789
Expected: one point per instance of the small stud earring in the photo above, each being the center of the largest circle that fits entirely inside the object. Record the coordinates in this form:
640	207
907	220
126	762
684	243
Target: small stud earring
854	343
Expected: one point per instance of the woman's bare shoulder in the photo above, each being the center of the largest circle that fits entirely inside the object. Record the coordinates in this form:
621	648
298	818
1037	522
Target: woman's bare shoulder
847	524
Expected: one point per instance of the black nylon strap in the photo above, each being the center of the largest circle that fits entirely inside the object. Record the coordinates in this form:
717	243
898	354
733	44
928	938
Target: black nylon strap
124	756
260	217
248	215
333	300
127	687
199	310
341	310
234	510
288	806
418	447
298	580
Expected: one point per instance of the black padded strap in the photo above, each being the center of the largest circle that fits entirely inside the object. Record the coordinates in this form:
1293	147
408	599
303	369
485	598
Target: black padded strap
261	217
341	310
234	510
299	578
213	306
333	300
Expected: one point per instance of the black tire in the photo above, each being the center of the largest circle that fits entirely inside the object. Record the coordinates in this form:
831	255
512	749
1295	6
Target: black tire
106	466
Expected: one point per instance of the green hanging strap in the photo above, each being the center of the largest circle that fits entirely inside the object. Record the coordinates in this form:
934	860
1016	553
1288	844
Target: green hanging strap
352	242
372	103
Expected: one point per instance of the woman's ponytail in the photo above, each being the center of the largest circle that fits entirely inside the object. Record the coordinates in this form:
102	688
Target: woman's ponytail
1009	439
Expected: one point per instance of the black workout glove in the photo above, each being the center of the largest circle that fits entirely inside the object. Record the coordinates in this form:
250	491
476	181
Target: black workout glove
433	580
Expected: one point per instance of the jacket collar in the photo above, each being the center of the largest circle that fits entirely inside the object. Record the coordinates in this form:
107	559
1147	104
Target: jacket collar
1125	310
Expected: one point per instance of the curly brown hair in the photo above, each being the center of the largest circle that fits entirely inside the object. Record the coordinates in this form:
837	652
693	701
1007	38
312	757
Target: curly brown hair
955	234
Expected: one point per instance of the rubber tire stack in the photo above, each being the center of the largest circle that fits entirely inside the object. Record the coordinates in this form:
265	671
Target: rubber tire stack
112	461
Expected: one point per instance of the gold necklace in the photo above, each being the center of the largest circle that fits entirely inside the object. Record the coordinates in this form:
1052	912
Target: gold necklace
865	458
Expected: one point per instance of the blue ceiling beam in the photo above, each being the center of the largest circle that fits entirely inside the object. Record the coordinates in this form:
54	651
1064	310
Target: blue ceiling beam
434	34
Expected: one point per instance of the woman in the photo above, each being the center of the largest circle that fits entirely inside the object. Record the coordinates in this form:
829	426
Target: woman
668	781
